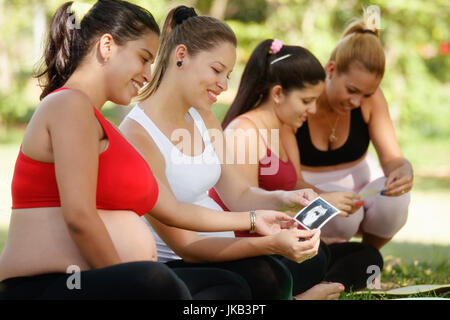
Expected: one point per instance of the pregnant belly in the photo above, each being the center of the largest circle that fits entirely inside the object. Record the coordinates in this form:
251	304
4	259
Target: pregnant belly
39	242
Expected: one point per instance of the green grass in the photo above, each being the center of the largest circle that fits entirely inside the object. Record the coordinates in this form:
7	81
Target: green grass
407	264
370	296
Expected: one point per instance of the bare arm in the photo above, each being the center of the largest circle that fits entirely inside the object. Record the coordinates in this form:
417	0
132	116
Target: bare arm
75	135
238	184
186	215
192	247
195	248
289	141
396	167
189	244
344	201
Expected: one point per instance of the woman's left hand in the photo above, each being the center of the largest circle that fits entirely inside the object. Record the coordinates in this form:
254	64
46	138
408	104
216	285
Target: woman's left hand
297	199
270	222
399	181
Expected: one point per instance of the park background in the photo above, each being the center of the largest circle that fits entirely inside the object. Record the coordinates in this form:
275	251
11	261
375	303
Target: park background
416	38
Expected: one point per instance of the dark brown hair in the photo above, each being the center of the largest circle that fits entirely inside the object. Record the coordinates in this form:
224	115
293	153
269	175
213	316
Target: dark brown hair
296	68
197	33
68	45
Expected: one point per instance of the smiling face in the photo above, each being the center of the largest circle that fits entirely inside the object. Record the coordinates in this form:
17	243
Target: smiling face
347	91
293	108
206	74
129	67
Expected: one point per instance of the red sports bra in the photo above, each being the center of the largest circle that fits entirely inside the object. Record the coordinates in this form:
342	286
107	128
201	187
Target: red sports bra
280	175
277	175
124	182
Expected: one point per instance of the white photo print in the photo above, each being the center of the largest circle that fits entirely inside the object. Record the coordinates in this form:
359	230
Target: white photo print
316	214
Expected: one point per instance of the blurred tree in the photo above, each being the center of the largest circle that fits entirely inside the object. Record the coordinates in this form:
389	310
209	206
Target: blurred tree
417	77
218	9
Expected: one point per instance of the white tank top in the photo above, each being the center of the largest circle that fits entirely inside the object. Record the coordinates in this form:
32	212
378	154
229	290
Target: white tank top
190	178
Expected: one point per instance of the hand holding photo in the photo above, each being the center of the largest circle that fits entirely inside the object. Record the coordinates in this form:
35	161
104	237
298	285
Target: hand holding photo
316	214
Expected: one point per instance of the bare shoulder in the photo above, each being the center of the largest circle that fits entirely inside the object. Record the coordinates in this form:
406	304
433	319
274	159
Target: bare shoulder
132	130
65	99
137	135
66	106
211	121
139	138
375	105
243	123
378	100
209	118
63	113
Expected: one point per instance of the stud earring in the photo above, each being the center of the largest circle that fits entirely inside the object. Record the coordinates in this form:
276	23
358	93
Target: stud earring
328	76
179	63
105	60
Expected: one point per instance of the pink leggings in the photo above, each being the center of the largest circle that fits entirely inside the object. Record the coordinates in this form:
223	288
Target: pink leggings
380	216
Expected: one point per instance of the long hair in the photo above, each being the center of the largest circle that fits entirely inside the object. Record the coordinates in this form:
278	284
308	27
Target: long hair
68	45
197	33
293	67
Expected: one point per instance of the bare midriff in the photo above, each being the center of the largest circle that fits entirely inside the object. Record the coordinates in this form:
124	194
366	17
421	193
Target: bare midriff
39	241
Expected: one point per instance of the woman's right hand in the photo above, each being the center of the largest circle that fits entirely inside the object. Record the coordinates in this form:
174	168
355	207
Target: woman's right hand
347	202
290	244
270	222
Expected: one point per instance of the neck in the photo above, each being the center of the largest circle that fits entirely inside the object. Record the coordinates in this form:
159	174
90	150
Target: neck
267	115
166	102
323	106
90	83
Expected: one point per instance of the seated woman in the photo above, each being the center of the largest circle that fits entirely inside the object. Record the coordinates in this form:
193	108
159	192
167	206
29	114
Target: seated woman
196	56
79	188
352	112
279	87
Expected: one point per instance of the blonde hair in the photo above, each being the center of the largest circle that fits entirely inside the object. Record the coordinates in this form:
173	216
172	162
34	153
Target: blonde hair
360	43
197	33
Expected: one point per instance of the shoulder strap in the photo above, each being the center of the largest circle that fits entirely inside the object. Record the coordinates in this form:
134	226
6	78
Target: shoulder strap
138	115
200	124
109	129
257	129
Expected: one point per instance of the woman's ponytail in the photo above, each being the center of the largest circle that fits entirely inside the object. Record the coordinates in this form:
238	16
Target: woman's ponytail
61	56
360	43
197	33
272	63
70	40
254	86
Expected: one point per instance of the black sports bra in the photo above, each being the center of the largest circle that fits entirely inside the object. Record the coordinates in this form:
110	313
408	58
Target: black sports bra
354	148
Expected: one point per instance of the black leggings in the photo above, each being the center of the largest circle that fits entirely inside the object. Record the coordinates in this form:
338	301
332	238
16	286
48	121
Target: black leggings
309	272
134	280
345	263
267	278
348	263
